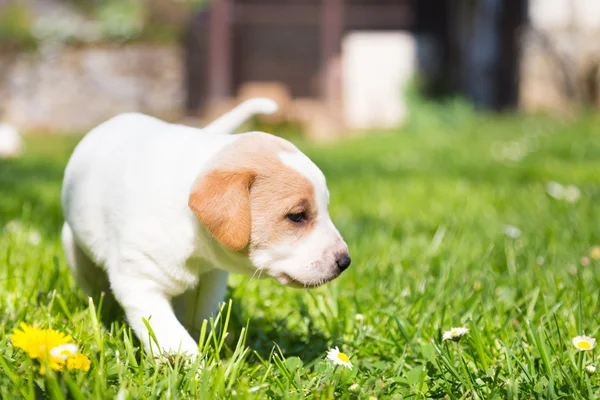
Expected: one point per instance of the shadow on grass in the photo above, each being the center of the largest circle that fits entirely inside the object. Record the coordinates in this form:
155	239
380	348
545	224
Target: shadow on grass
264	335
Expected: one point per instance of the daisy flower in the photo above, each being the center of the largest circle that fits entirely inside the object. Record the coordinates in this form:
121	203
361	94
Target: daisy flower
455	334
64	351
555	189
512	231
590	370
572	194
584	343
339	358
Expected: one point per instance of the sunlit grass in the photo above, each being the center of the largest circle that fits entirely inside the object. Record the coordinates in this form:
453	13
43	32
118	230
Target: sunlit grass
425	212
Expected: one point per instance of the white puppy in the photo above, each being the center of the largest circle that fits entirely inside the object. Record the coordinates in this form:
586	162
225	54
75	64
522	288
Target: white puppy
162	213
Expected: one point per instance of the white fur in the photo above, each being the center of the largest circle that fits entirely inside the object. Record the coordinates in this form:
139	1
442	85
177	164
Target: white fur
127	224
232	120
312	261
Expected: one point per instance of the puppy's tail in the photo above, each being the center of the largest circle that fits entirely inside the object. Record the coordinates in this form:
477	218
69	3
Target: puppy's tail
230	121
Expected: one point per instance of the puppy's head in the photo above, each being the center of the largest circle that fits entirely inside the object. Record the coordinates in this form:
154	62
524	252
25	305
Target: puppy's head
263	196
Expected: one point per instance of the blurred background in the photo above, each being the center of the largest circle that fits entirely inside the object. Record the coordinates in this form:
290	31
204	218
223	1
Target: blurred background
336	66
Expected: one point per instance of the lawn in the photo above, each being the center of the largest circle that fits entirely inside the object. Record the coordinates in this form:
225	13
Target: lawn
449	223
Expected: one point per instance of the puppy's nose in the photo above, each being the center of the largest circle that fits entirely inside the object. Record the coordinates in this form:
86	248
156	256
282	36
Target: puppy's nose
343	261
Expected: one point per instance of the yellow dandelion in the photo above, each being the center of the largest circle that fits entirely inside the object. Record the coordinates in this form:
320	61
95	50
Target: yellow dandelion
37	342
79	361
50	347
339	358
595	253
584	343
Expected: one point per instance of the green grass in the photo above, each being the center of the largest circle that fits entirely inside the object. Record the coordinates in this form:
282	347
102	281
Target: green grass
423	211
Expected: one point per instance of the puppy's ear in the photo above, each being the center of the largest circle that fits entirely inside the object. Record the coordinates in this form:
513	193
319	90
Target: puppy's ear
221	201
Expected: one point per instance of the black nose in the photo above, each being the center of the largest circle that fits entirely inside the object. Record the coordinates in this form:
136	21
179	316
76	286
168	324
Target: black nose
343	261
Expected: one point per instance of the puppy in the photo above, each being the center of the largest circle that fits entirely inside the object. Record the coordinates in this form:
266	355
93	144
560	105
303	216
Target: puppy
161	213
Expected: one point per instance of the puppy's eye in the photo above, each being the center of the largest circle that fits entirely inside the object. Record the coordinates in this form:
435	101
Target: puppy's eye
297	217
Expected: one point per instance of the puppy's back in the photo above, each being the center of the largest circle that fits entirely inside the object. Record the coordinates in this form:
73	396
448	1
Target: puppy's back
126	175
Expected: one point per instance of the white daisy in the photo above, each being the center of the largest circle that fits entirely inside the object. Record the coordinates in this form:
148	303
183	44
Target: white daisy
455	334
339	358
584	343
34	237
64	351
555	189
512	231
590	370
359	317
540	260
572	194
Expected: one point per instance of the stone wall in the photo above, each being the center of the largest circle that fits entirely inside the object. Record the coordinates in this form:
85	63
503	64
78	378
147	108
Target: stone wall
73	89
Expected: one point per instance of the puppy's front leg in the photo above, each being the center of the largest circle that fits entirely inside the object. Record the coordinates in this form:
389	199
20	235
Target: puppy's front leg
141	298
202	302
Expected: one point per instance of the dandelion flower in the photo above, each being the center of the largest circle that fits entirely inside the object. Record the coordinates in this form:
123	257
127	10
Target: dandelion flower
590	370
78	361
455	334
595	253
50	347
38	342
339	358
584	343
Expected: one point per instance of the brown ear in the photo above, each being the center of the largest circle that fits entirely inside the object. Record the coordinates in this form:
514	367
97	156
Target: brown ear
221	201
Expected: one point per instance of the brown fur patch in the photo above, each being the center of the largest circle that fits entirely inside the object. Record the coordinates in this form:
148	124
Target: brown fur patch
221	202
244	201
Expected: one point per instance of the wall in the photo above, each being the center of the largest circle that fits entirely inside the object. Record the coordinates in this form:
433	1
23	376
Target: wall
73	89
560	66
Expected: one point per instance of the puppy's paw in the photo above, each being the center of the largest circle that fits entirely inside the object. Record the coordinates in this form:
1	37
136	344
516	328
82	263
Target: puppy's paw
185	363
